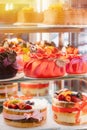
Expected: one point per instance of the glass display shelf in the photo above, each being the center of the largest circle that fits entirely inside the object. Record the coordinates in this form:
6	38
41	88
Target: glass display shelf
22	78
35	28
49	125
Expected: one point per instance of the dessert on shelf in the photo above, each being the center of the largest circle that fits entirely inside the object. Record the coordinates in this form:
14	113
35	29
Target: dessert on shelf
8	13
7	90
65	14
77	64
35	89
29	15
69	107
25	111
20	47
54	14
8	64
45	63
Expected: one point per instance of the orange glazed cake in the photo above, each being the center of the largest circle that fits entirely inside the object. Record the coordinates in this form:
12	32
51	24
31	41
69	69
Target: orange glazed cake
25	112
69	107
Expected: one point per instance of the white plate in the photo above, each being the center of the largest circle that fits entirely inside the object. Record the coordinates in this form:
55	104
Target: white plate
18	76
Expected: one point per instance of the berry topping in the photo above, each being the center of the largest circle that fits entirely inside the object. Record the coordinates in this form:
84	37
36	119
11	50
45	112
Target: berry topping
27	107
30	103
18	103
61	97
69	96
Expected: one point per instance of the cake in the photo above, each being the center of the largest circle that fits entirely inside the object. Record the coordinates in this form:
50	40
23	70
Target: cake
28	15
45	64
20	47
7	90
8	64
77	64
69	107
25	111
8	14
34	89
54	14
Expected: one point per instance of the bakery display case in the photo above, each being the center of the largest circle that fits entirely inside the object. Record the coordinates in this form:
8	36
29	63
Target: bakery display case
33	68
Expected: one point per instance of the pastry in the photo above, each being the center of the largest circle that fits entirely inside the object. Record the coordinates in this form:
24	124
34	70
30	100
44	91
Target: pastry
8	64
25	112
34	89
77	64
44	64
69	107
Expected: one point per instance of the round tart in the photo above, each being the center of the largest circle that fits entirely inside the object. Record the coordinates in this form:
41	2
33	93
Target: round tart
69	107
25	112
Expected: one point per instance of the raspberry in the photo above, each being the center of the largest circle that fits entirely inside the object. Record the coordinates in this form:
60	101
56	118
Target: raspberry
61	97
75	99
27	107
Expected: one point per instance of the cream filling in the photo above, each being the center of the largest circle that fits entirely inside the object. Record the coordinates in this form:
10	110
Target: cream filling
8	89
36	115
34	91
2	100
70	118
65	117
83	119
8	85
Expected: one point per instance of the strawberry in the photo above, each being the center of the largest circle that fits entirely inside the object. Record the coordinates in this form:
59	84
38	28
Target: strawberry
61	97
75	99
12	106
21	105
27	107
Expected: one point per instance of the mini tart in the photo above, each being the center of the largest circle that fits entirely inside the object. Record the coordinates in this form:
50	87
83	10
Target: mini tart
34	89
69	108
25	112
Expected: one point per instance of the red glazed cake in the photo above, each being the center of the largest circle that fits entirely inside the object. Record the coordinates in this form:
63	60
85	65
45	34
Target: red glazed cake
77	64
25	112
69	107
34	89
44	64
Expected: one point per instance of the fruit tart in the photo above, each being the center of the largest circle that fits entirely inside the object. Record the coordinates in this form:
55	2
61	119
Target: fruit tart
25	111
69	107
